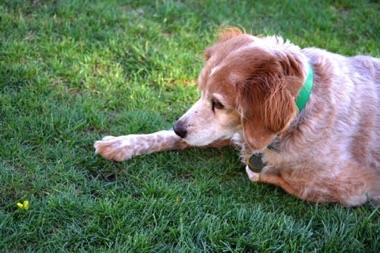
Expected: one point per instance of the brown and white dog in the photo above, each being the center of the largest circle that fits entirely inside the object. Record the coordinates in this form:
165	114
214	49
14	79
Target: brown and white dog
325	151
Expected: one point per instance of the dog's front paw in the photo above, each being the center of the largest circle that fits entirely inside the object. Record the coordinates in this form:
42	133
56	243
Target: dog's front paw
115	148
253	176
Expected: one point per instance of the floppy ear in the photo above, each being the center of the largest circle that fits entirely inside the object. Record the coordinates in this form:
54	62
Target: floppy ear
266	101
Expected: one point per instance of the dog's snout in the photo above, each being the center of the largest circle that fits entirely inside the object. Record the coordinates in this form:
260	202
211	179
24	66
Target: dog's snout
180	129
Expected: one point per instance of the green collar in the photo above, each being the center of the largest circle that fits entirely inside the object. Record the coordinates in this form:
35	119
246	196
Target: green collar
303	97
305	91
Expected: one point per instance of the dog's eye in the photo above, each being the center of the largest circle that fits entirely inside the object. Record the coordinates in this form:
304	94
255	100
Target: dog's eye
216	104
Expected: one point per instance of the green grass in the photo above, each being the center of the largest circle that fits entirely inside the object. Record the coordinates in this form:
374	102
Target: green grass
74	71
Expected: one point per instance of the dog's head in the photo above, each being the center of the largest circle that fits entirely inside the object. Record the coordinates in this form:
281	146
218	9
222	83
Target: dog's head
248	85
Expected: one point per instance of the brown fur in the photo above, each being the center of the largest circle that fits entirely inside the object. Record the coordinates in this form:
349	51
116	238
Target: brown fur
329	150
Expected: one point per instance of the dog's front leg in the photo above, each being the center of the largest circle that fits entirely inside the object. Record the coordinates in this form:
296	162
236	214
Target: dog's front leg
265	177
125	147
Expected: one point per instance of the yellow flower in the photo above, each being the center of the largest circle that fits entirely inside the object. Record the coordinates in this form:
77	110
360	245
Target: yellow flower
24	205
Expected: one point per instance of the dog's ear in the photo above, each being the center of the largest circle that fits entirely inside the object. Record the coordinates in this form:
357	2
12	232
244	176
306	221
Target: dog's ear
224	35
266	100
229	33
207	54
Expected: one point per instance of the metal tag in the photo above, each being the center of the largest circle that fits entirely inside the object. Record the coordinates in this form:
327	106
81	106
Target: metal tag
255	163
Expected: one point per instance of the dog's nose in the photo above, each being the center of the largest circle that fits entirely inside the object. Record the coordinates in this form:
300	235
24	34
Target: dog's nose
179	129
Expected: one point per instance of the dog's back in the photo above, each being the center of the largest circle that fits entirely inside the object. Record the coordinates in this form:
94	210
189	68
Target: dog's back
334	147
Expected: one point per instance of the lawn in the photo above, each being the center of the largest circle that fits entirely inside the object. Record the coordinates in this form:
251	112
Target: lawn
74	71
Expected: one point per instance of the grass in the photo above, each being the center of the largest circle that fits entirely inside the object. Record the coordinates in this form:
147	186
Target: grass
74	71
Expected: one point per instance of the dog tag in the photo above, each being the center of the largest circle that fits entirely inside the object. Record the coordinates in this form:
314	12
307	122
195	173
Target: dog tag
255	163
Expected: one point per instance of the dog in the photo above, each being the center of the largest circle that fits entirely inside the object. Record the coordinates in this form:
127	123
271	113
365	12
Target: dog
314	116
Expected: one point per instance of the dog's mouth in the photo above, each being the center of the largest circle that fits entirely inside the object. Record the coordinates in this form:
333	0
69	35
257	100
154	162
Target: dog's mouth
203	137
184	134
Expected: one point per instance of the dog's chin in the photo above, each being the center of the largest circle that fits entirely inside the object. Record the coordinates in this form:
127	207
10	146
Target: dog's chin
201	142
197	142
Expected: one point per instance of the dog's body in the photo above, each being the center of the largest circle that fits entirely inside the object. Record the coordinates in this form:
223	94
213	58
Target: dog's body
328	151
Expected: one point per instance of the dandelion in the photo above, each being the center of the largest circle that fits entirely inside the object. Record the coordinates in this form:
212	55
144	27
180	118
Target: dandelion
24	205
